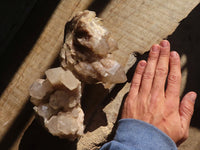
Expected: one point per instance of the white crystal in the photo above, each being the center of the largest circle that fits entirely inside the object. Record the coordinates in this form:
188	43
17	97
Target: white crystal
60	78
66	125
39	90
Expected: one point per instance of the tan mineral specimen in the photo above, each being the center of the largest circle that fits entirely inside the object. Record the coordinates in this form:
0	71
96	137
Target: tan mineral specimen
88	49
57	102
39	90
67	124
65	99
45	111
62	79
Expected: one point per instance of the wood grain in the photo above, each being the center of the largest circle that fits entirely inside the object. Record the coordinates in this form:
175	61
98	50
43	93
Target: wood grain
136	25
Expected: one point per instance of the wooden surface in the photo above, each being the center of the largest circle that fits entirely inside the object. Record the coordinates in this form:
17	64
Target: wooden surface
139	24
136	25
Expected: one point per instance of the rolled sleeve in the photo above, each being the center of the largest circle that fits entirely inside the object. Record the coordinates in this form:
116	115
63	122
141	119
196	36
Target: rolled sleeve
134	134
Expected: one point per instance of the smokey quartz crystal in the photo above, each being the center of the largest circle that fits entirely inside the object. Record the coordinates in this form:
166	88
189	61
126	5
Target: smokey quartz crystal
88	48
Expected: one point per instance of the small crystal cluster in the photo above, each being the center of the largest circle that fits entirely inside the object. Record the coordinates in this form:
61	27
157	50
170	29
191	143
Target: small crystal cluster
57	101
86	55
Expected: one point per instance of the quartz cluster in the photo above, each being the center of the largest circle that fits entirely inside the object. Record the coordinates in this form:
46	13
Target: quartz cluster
87	51
57	101
85	58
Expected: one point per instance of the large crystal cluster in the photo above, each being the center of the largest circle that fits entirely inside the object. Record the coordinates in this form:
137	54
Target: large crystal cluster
85	57
87	51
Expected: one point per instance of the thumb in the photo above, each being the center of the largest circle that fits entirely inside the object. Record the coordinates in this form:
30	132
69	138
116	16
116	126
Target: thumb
187	108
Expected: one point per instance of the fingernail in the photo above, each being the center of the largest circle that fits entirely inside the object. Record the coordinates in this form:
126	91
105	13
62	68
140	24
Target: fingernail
173	54
155	48
164	43
142	63
193	96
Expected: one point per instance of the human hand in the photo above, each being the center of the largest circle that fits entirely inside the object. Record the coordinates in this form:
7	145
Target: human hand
150	102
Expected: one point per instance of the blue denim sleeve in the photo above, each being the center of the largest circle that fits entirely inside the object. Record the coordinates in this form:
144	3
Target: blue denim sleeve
134	134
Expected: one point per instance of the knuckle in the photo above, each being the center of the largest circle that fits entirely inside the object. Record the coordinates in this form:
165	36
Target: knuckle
153	56
165	52
173	79
175	62
148	75
135	84
139	71
161	71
